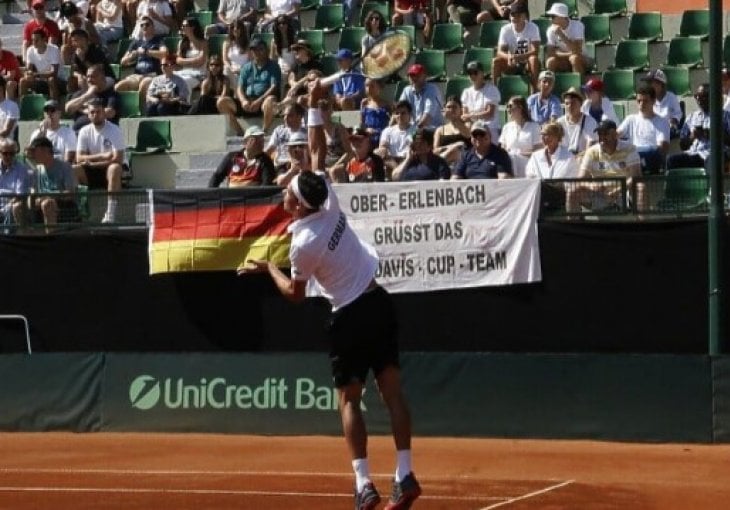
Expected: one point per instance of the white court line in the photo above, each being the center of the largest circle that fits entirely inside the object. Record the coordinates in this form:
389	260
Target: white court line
529	495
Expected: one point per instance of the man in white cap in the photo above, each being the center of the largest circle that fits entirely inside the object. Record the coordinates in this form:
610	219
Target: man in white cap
250	167
543	105
565	50
667	102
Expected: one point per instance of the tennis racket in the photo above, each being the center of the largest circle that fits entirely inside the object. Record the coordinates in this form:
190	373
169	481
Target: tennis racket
387	56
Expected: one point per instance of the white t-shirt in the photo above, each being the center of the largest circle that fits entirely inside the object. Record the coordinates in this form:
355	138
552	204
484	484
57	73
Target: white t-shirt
162	8
278	140
575	138
45	61
396	140
668	107
95	141
281	6
9	111
644	133
231	9
324	247
477	100
516	140
107	6
562	165
63	139
609	113
518	42
575	31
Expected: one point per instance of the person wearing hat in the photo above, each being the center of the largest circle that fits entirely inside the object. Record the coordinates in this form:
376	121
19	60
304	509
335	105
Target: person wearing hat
481	100
299	75
647	131
554	160
424	97
667	102
299	159
596	104
565	49
249	167
416	13
9	113
579	129
62	137
484	160
349	89
517	47
544	106
422	164
40	21
365	165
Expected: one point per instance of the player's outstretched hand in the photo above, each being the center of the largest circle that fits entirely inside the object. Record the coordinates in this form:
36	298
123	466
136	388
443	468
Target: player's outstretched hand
253	266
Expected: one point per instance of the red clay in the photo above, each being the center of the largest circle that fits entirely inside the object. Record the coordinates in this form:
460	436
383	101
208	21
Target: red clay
62	471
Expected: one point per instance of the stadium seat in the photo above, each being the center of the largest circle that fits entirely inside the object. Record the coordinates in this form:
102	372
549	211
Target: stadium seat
489	33
129	104
213	5
448	37
612	8
512	85
315	39
215	44
685	189
646	26
678	80
618	84
632	54
571	4
456	85
122	47
435	63
351	38
382	7
400	86
563	81
483	55
590	50
620	110
597	28
117	69
329	18
267	37
411	31
685	51
308	5
329	65
172	42
31	106
543	24
204	17
153	135
695	23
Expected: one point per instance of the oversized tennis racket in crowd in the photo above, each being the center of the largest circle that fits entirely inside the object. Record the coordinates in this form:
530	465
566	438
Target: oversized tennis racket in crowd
387	56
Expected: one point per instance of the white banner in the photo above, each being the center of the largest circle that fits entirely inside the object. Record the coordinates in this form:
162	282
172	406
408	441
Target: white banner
448	234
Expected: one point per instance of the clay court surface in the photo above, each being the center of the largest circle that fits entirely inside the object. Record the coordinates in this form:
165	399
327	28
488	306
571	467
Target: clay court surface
58	471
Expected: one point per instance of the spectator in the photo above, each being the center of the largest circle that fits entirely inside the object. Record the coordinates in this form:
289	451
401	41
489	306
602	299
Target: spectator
484	160
579	129
452	138
192	54
414	12
10	72
463	11
647	131
40	22
694	138
517	47
109	21
422	164
62	137
395	140
375	27
565	49
160	13
86	54
250	167
42	64
235	51
374	110
349	89
288	9
74	20
144	54
182	8
481	100
337	138
596	104
277	146
300	75
100	157
258	88
520	136
231	12
497	10
215	86
365	165
554	160
97	87
298	159
168	93
425	99
14	180
667	103
9	113
56	184
544	106
284	35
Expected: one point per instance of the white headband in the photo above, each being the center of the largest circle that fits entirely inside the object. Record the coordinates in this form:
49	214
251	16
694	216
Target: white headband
298	194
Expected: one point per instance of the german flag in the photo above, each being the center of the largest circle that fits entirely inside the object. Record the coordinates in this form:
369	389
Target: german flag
217	229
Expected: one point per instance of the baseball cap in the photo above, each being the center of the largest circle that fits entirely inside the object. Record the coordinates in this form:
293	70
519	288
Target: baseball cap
657	75
301	44
474	65
605	125
253	131
479	125
594	84
518	8
547	75
416	69
297	138
343	54
575	92
51	103
559	10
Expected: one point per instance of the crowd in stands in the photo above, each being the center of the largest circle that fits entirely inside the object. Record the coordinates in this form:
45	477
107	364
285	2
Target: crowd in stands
252	62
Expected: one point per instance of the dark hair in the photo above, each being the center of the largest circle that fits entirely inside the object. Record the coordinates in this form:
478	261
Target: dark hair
381	23
404	104
313	189
197	32
425	135
646	90
297	108
79	32
243	36
41	141
68	9
522	103
95	101
279	38
41	32
453	99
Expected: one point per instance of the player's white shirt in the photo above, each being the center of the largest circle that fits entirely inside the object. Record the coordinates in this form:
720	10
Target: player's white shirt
396	140
575	31
562	165
45	61
518	42
63	139
575	138
95	141
642	132
668	107
9	111
477	100
324	247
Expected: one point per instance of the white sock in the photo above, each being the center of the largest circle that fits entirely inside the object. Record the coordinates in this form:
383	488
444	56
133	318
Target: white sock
362	473
403	468
111	207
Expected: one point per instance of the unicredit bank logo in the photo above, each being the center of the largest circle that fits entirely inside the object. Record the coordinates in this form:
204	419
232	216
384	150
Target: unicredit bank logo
144	392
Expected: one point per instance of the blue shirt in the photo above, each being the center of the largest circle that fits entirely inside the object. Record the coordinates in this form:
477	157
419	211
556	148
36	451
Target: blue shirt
255	80
147	64
496	162
435	168
698	118
542	111
429	100
349	85
13	181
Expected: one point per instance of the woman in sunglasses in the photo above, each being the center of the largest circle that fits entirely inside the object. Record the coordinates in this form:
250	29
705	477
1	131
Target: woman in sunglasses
375	27
214	87
193	51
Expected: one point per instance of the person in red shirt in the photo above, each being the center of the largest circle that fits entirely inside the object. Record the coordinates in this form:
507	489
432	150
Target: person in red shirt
414	12
40	20
10	70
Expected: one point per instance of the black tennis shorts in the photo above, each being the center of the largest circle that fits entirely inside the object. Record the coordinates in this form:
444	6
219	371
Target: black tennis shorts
363	337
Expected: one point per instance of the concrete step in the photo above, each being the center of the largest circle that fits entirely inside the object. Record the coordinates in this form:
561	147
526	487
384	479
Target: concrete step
193	178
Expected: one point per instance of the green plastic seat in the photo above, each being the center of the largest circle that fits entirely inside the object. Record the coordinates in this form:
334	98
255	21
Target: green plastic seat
411	31
571	4
399	88
31	106
329	65
685	190
435	63
448	37
456	85
512	85
646	26
618	84
153	135
597	28
205	18
172	42
117	70
543	24
590	50
678	80
267	37
612	8
309	5
685	51
563	81
129	104
122	47
632	54
329	18
483	55
315	39
351	38
382	7
695	23
620	110
213	5
489	33
215	44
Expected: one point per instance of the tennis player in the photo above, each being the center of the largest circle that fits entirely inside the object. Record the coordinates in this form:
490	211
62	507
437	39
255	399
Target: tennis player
363	326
